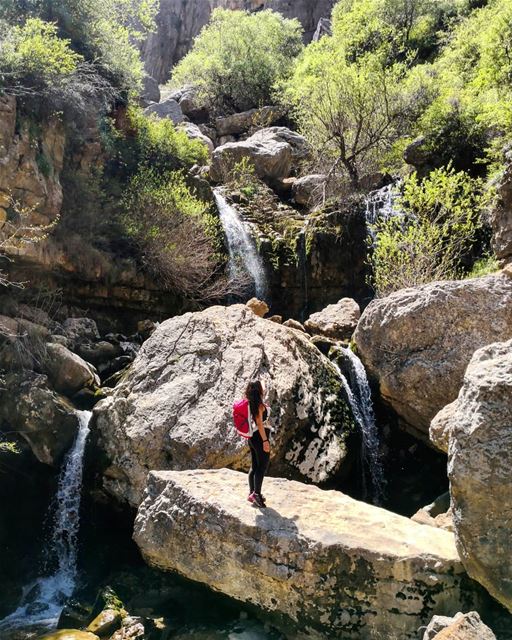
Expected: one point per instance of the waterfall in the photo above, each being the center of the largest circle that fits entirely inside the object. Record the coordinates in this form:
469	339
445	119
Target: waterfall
381	205
360	400
241	247
44	599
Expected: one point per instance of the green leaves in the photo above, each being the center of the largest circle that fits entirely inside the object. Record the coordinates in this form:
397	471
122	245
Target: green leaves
238	58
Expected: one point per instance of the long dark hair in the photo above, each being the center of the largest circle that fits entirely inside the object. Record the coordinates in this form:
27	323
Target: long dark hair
254	393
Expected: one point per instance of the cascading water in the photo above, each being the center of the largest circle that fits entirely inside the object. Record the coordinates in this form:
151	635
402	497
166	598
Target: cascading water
241	247
381	205
43	599
360	400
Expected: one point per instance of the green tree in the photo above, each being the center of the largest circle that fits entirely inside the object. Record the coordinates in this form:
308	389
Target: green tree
239	57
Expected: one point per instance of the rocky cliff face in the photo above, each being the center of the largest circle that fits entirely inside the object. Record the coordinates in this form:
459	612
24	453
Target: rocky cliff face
179	22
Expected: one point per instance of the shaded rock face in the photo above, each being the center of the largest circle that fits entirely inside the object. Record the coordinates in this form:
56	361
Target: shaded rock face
336	567
178	23
172	410
30	168
480	469
501	216
45	419
418	342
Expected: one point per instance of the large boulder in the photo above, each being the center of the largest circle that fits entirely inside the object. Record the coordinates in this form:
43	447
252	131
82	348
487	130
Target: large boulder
275	152
194	133
418	342
336	567
172	409
308	190
463	627
480	469
501	215
47	421
68	372
238	123
169	109
336	321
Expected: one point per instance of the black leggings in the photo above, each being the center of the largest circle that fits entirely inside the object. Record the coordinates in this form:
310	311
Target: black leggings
260	460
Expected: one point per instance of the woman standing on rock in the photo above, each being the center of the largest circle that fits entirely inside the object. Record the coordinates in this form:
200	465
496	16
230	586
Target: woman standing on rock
258	442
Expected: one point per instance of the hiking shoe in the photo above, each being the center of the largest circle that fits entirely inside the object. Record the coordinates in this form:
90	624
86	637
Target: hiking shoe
251	497
257	500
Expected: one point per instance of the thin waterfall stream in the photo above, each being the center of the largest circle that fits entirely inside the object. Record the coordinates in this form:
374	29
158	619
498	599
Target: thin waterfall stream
243	255
360	399
44	598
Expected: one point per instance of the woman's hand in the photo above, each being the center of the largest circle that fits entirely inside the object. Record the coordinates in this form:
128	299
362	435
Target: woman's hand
266	446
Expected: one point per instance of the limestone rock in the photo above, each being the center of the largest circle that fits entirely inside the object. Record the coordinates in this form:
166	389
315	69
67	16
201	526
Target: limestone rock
172	410
439	431
274	152
238	123
150	90
131	629
195	133
501	216
106	622
480	469
167	109
80	330
418	342
46	420
437	624
294	324
308	189
338	568
464	627
258	307
337	321
323	28
437	514
68	371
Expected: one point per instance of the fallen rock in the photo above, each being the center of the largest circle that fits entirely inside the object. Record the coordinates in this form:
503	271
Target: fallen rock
336	567
465	627
131	629
337	321
274	152
172	409
195	133
169	109
294	324
308	189
80	330
68	371
238	123
106	622
439	431
418	342
46	420
437	514
480	469
258	307
437	624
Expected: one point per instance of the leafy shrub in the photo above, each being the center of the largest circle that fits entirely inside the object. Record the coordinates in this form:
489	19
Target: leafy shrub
484	266
439	224
239	57
175	234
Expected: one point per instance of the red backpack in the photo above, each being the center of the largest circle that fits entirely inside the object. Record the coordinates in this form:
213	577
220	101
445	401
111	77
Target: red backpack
243	424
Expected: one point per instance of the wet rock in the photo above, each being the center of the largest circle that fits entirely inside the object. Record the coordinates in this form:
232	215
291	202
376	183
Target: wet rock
338	568
274	152
480	469
258	307
69	634
106	622
173	407
68	371
46	420
75	614
323	344
418	342
466	626
308	189
167	109
337	321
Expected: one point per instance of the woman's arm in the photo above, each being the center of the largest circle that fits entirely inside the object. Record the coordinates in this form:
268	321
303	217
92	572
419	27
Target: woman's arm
261	429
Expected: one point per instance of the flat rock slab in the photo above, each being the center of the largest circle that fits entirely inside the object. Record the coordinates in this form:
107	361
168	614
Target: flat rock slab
331	566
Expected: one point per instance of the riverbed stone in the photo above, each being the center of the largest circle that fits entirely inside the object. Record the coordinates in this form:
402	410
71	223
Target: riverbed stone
336	567
480	469
68	372
337	321
418	342
172	409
